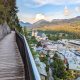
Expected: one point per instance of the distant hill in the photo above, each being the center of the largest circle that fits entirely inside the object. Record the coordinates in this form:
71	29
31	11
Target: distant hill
25	24
40	23
71	25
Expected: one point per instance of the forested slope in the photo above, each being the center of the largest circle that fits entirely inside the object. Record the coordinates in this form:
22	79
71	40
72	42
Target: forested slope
8	13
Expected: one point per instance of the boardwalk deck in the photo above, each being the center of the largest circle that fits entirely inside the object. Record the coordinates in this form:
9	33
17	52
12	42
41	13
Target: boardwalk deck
11	65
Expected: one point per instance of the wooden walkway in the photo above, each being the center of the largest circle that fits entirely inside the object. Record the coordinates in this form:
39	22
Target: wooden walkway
11	65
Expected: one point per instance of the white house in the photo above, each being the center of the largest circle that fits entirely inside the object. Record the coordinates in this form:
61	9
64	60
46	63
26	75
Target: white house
34	33
39	36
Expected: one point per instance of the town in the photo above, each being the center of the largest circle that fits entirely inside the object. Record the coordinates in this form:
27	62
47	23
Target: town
39	39
43	50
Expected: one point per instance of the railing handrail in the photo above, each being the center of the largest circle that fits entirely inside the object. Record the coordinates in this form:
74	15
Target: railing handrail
31	70
35	70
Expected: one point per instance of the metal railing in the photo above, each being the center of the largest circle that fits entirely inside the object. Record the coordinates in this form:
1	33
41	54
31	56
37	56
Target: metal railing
31	72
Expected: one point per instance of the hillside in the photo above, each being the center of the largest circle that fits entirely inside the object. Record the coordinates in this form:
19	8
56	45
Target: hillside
26	24
8	14
70	25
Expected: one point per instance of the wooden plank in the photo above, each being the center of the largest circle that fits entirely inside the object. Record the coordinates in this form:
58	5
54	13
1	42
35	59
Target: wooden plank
11	65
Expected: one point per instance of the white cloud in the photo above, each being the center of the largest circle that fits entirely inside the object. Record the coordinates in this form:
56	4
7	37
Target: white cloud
39	3
26	17
58	1
77	9
70	13
66	11
53	2
39	16
43	16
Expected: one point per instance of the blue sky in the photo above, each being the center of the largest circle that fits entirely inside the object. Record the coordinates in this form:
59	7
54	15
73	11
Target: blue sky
34	10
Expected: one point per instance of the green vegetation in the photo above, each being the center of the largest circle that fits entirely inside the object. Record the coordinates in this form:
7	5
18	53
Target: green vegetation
72	26
8	13
25	31
39	44
35	54
44	59
57	35
32	40
59	69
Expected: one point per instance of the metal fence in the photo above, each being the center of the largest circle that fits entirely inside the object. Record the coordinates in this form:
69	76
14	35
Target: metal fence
31	72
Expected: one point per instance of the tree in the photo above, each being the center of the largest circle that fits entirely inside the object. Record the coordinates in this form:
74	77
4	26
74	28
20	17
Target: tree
25	31
39	44
32	40
8	13
59	69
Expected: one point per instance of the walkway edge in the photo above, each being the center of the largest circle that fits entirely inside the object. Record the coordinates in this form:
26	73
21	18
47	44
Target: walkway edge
35	70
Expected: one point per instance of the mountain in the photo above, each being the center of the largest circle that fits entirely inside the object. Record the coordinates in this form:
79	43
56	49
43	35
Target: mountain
40	23
62	21
43	23
78	18
55	22
70	25
25	24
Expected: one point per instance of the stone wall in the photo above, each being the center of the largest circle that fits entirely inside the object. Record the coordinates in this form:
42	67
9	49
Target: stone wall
4	30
